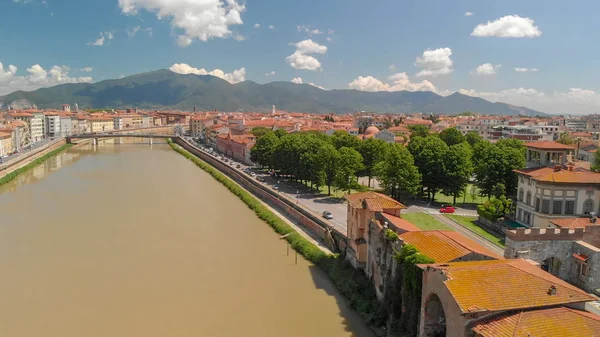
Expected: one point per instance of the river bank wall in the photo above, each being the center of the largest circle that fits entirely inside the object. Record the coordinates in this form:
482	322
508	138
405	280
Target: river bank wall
303	217
29	157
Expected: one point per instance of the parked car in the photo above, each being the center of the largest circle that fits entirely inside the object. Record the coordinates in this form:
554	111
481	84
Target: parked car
447	209
276	186
238	166
327	215
261	179
253	174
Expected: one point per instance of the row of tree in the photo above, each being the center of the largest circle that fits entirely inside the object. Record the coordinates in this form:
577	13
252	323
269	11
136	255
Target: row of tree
431	163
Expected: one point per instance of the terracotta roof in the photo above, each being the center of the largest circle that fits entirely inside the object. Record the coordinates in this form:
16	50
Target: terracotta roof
581	257
548	174
400	223
570	222
555	322
497	285
546	145
444	246
380	201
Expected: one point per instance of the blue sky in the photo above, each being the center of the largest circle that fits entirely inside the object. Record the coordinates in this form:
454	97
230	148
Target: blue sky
335	44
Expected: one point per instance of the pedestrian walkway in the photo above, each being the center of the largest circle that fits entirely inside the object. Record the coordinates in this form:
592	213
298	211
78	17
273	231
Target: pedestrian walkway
461	214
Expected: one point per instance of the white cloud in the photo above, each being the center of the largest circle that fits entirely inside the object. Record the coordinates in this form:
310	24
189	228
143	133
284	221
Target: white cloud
300	58
132	31
236	76
239	37
149	31
316	86
308	30
487	69
330	31
508	26
435	62
38	77
257	25
329	39
297	80
392	67
525	70
399	82
574	101
468	14
198	19
271	73
271	27
87	69
104	37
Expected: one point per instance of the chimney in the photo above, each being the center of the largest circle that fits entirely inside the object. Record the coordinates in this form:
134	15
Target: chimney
557	168
594	217
552	291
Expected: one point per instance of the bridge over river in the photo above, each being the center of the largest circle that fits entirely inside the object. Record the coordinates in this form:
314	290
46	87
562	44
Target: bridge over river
96	137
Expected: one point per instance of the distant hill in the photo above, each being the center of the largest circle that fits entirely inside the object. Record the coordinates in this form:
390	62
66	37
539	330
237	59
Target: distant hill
164	89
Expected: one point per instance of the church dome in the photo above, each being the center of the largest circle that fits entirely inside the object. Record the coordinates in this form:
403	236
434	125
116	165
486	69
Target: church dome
371	130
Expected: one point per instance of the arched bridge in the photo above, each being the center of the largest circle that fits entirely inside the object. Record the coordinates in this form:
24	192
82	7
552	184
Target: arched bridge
117	135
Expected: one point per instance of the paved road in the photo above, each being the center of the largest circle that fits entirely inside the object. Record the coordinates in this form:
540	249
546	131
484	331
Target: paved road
464	231
33	147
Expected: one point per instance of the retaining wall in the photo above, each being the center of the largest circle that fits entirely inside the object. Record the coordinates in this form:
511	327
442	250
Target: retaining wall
299	214
25	159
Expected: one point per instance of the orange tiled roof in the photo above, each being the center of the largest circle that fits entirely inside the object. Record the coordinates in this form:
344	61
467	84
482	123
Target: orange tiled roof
546	145
548	174
372	199
571	222
555	322
497	285
444	246
400	223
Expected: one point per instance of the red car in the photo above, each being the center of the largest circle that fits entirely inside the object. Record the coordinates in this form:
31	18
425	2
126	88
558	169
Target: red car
447	209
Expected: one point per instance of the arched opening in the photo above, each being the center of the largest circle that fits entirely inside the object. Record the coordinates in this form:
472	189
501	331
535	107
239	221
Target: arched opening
435	319
528	200
551	265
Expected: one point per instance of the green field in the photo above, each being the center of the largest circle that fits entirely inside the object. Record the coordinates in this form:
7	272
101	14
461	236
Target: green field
469	223
425	221
464	199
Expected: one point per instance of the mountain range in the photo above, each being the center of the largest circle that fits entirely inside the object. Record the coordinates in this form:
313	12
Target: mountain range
164	89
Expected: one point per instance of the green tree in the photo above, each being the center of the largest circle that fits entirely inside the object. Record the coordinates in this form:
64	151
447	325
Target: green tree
452	136
280	132
418	131
350	163
596	165
499	190
341	138
429	154
494	164
372	151
259	131
458	169
264	148
473	138
330	163
287	154
398	173
566	138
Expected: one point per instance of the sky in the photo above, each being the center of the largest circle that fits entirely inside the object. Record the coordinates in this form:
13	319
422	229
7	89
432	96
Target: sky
542	54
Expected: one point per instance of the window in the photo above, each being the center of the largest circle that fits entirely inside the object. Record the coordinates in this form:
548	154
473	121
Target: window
537	204
528	200
588	206
519	214
557	207
545	206
569	207
521	195
582	269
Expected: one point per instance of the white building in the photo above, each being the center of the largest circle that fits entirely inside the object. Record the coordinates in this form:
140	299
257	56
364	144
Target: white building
37	127
118	122
551	188
66	126
386	136
53	125
147	121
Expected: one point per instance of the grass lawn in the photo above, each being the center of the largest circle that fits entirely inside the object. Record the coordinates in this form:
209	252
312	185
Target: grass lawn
469	222
424	221
336	193
468	198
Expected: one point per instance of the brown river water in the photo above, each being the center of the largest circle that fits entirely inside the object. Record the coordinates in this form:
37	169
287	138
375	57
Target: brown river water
133	240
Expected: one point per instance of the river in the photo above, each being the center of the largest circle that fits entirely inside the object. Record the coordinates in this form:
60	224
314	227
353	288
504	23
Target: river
133	240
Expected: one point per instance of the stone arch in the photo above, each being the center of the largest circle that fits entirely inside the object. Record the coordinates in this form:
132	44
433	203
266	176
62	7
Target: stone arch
551	265
435	318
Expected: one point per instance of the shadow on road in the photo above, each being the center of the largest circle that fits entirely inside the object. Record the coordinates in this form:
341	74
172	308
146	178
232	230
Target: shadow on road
330	200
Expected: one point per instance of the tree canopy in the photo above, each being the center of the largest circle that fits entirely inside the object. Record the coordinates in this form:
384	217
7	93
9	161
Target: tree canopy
451	136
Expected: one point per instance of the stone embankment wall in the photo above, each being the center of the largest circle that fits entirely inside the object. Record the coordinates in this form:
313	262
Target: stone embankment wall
303	217
27	158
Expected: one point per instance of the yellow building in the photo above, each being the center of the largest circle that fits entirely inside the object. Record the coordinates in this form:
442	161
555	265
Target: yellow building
100	124
5	143
197	126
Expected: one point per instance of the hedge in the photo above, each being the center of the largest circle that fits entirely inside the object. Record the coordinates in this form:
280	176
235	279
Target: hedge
14	174
350	282
482	212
